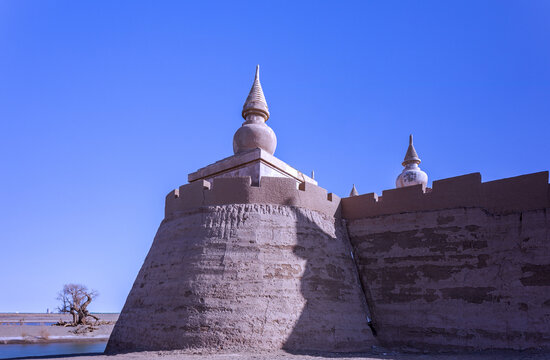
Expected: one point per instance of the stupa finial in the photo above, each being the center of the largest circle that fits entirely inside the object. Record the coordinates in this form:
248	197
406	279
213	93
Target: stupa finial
411	156
254	133
353	191
255	103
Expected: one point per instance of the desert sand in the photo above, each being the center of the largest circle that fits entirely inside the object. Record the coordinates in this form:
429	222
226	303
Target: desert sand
375	355
17	328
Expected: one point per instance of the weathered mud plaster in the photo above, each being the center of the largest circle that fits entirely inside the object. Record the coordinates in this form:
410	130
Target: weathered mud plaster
245	277
468	266
463	278
237	267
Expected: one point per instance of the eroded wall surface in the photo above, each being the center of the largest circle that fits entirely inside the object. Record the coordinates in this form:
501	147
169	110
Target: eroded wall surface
236	267
462	277
243	277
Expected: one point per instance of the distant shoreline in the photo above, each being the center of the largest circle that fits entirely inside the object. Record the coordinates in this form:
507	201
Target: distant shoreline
34	328
59	339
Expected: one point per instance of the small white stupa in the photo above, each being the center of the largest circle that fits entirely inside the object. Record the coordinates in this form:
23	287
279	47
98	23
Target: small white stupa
411	175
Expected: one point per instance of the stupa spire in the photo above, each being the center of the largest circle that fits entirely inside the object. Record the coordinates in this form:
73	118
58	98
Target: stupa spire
411	156
254	133
353	191
255	102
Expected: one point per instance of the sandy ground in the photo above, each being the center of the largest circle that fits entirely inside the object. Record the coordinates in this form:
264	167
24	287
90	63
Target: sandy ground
17	328
375	355
16	332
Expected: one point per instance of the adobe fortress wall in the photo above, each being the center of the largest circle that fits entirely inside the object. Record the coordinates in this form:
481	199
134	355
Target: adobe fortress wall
465	265
235	267
520	193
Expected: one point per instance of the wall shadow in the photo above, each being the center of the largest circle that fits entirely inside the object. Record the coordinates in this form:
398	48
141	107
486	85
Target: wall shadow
334	317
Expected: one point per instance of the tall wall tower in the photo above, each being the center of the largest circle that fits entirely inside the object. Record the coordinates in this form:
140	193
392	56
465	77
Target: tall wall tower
251	255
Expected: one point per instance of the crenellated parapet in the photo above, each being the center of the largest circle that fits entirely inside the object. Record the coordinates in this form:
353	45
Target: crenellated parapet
239	190
515	194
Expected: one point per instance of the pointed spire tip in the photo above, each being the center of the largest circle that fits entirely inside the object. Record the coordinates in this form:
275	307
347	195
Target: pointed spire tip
411	156
255	102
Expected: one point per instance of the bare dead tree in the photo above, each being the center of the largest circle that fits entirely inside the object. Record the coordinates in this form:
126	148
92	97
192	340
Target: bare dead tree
75	299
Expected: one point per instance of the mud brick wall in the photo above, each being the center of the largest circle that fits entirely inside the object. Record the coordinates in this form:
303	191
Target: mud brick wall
245	277
457	278
236	267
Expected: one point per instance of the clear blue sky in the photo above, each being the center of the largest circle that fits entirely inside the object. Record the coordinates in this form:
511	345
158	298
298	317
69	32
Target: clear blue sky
106	106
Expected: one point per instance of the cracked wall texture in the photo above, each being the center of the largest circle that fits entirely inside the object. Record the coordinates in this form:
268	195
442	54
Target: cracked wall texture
245	277
463	277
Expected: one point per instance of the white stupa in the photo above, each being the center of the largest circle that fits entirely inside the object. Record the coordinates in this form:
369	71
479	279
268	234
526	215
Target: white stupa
411	175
